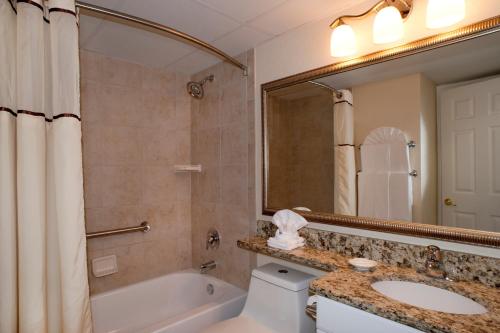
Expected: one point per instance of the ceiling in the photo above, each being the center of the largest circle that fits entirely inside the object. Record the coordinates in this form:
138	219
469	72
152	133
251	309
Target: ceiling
233	26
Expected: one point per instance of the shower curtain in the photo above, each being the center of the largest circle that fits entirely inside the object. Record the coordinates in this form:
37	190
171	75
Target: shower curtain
43	271
345	165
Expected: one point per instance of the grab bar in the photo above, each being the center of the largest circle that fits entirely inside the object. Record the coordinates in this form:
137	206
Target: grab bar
144	227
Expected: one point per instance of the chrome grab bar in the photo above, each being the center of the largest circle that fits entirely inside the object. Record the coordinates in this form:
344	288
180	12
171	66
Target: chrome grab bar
144	227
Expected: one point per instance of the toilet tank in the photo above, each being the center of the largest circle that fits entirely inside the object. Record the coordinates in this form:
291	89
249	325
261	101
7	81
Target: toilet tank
277	299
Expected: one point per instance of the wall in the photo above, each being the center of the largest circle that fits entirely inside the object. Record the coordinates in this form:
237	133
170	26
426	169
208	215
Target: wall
407	103
307	47
223	195
136	125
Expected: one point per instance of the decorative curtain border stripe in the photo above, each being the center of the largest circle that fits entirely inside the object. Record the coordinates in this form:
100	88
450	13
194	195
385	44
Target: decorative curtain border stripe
343	102
3	108
40	114
30	2
53	9
62	10
13	6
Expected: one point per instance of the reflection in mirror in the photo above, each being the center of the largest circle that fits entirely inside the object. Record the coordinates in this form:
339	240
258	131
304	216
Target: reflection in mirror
349	154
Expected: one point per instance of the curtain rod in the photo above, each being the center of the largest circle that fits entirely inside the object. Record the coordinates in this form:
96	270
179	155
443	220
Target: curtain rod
157	27
335	91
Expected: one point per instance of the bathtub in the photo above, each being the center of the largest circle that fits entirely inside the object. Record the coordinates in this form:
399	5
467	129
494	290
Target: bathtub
181	302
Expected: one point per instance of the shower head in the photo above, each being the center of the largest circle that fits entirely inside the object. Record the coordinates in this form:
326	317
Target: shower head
195	89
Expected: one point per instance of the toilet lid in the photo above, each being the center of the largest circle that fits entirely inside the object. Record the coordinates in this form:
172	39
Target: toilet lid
240	324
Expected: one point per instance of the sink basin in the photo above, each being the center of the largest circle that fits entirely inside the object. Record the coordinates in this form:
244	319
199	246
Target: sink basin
428	297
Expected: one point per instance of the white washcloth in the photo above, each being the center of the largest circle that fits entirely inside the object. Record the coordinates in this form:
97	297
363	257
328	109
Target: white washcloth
400	196
285	244
373	194
287	236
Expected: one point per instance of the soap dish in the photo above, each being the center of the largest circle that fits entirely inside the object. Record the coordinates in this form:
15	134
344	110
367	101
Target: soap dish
362	264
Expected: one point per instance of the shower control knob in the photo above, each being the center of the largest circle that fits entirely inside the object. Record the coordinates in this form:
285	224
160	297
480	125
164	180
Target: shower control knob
213	239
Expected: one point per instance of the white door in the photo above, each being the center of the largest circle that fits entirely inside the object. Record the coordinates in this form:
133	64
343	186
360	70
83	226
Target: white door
470	155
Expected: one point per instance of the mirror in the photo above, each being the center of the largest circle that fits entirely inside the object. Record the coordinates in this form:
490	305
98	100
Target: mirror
414	139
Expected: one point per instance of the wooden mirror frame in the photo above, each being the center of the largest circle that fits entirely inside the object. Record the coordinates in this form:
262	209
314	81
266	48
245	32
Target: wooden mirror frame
476	237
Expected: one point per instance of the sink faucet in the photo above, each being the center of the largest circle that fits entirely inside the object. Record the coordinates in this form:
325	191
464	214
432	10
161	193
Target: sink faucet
433	263
207	266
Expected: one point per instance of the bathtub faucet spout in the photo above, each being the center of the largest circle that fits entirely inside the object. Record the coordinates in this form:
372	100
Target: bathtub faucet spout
207	266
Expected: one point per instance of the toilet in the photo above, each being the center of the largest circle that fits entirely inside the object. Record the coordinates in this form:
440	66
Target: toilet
275	304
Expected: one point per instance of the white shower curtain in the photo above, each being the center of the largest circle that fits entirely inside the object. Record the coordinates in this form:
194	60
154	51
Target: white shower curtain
345	165
43	271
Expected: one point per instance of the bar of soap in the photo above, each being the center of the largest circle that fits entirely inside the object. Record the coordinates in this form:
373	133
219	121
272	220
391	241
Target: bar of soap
362	264
103	266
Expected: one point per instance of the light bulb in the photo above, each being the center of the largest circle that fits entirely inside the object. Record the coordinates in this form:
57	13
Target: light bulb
443	13
342	41
388	26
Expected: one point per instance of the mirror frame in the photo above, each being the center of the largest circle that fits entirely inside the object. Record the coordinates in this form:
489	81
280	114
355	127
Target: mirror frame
469	236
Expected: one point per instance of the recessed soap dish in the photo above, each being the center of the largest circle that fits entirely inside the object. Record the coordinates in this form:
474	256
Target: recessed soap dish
187	168
362	264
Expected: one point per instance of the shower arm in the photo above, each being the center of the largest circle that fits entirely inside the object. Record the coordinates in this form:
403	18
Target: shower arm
98	11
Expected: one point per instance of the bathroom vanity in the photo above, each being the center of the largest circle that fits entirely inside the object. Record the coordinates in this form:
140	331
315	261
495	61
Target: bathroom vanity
381	300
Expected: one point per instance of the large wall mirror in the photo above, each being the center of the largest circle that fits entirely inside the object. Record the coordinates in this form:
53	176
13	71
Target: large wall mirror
405	141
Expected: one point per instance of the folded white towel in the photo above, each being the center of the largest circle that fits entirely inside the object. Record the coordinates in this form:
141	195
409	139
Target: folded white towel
373	194
399	157
400	196
375	157
287	236
287	242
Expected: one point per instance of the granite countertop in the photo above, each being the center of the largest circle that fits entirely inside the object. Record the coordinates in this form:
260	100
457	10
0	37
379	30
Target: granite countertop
353	288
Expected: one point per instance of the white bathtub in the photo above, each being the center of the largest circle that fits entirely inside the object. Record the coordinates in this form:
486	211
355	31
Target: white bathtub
173	303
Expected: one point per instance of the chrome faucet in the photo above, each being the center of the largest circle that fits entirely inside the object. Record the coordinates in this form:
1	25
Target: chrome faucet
207	266
434	264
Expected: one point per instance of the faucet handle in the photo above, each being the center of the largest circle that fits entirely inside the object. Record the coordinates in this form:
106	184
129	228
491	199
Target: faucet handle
433	253
213	239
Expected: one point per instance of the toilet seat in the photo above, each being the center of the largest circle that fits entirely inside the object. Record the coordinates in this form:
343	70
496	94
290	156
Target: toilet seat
240	324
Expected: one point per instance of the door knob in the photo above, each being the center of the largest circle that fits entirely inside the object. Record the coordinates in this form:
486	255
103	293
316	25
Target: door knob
449	202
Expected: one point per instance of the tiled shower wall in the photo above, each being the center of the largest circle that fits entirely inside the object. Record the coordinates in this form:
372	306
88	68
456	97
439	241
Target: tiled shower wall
136	125
223	195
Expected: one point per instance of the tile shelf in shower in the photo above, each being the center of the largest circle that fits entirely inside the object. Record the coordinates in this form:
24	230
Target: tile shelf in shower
187	168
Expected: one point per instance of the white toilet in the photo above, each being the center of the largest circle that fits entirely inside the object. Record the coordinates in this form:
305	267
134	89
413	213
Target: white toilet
275	304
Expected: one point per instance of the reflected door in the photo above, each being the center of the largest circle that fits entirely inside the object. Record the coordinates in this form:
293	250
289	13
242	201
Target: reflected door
470	152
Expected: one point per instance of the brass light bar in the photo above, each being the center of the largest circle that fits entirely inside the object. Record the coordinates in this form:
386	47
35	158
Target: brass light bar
404	6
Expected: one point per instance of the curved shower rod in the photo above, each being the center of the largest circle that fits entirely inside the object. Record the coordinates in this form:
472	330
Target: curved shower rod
157	27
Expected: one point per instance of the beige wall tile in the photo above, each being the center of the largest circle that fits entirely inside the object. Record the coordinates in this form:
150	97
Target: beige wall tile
119	72
137	123
135	129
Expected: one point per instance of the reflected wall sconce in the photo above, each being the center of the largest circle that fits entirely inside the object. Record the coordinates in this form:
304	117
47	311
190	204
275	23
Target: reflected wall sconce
443	13
388	24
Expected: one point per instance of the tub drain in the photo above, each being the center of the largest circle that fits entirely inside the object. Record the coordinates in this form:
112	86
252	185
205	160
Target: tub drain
210	289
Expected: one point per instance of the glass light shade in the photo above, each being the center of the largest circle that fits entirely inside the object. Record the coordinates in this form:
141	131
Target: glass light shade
342	41
443	13
388	26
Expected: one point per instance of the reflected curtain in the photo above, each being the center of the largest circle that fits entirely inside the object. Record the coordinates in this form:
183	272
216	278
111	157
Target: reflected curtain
345	165
43	271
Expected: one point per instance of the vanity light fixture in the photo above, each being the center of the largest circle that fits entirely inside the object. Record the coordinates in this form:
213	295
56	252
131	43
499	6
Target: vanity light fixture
342	41
387	27
443	13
